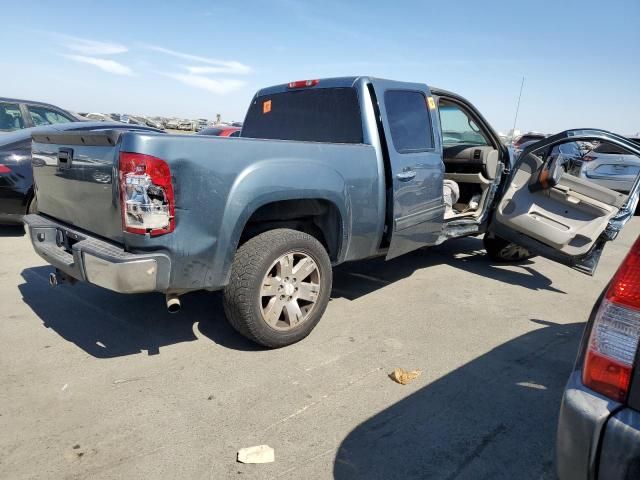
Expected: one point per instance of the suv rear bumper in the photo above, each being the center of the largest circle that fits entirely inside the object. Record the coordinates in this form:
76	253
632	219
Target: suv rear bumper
597	437
96	261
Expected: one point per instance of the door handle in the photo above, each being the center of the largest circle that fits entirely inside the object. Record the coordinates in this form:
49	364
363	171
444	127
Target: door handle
404	176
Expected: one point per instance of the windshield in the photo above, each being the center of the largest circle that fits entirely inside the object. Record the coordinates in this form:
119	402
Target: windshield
458	127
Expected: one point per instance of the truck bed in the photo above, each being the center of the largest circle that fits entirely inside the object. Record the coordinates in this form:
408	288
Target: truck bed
218	184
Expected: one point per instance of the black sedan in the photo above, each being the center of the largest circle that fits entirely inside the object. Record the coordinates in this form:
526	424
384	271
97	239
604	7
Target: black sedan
16	114
16	179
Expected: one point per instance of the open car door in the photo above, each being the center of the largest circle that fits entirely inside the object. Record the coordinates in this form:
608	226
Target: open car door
553	209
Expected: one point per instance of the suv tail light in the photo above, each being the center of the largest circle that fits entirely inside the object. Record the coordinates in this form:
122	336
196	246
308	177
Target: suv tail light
4	169
613	342
146	193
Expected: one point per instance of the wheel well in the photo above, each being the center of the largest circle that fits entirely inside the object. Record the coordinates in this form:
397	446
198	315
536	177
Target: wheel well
319	218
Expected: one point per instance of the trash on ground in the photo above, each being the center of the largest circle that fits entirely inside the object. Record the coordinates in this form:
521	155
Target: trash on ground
257	454
403	377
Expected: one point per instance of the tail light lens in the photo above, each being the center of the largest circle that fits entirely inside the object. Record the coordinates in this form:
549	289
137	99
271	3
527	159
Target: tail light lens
147	200
4	169
614	338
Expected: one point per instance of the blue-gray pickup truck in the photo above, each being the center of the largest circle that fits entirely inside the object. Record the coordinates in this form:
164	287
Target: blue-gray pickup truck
324	172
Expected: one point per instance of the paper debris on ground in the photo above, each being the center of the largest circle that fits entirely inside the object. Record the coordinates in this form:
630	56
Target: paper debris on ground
403	376
257	454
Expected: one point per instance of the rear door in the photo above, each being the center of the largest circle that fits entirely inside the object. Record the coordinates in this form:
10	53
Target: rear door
560	215
410	128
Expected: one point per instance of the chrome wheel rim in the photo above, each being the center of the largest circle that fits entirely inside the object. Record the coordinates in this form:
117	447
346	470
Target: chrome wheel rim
289	291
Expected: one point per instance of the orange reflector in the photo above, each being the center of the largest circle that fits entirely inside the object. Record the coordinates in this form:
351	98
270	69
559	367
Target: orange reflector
266	106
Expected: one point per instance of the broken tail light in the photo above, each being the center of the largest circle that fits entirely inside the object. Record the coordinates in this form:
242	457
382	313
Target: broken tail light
615	333
146	192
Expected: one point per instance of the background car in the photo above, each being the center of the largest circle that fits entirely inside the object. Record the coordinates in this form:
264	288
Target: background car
221	131
16	178
609	166
518	144
98	117
17	114
185	125
599	425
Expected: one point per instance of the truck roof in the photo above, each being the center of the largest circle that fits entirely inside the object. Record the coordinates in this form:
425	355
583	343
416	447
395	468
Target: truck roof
336	82
340	82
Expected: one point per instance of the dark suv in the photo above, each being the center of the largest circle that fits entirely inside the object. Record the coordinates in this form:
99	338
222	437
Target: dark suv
599	424
16	114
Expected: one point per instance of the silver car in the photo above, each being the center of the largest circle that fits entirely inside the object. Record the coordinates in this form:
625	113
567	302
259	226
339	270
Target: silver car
610	167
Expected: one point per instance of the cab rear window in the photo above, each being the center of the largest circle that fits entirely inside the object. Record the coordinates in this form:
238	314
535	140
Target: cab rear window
330	115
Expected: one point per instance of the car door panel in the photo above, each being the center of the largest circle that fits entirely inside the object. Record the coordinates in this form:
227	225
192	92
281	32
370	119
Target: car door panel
573	216
417	177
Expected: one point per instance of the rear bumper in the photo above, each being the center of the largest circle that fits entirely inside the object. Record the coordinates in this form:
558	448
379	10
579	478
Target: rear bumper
96	261
620	451
597	437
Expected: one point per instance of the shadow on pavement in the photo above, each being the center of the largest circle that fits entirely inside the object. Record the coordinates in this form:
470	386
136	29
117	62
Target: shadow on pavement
12	231
465	254
107	324
493	418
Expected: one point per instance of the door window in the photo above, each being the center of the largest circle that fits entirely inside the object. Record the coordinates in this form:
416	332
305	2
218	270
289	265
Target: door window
10	117
409	121
458	127
46	116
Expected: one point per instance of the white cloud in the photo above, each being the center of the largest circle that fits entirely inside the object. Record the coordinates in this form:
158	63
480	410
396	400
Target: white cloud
91	47
218	86
218	66
231	68
107	65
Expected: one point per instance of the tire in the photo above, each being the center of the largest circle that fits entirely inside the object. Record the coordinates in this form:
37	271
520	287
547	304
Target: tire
264	276
504	251
33	206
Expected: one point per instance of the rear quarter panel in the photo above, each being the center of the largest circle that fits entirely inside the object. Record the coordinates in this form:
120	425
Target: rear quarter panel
219	183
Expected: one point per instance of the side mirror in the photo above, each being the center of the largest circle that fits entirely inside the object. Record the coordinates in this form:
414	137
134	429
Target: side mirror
549	175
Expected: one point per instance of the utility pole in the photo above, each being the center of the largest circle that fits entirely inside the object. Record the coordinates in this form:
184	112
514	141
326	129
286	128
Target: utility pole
515	120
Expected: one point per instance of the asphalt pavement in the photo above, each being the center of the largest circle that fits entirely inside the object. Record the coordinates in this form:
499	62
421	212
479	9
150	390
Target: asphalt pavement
99	385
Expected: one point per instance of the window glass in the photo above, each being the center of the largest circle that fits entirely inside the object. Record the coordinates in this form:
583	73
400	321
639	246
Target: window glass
316	115
409	120
10	117
457	127
46	116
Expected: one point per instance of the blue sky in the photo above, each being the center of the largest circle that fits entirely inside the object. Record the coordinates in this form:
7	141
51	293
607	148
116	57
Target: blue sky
199	58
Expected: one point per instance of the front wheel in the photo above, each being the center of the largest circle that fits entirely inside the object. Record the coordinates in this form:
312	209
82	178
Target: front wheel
279	287
502	250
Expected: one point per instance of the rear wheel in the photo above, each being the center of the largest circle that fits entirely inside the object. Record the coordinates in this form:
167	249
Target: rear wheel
279	287
502	250
33	206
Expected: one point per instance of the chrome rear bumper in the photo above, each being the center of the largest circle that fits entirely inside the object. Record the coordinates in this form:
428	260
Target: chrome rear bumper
95	260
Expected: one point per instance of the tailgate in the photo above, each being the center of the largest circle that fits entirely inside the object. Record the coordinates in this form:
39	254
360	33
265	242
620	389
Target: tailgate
75	177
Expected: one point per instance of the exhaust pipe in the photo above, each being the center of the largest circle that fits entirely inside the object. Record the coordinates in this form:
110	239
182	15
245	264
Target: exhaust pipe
173	303
59	277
